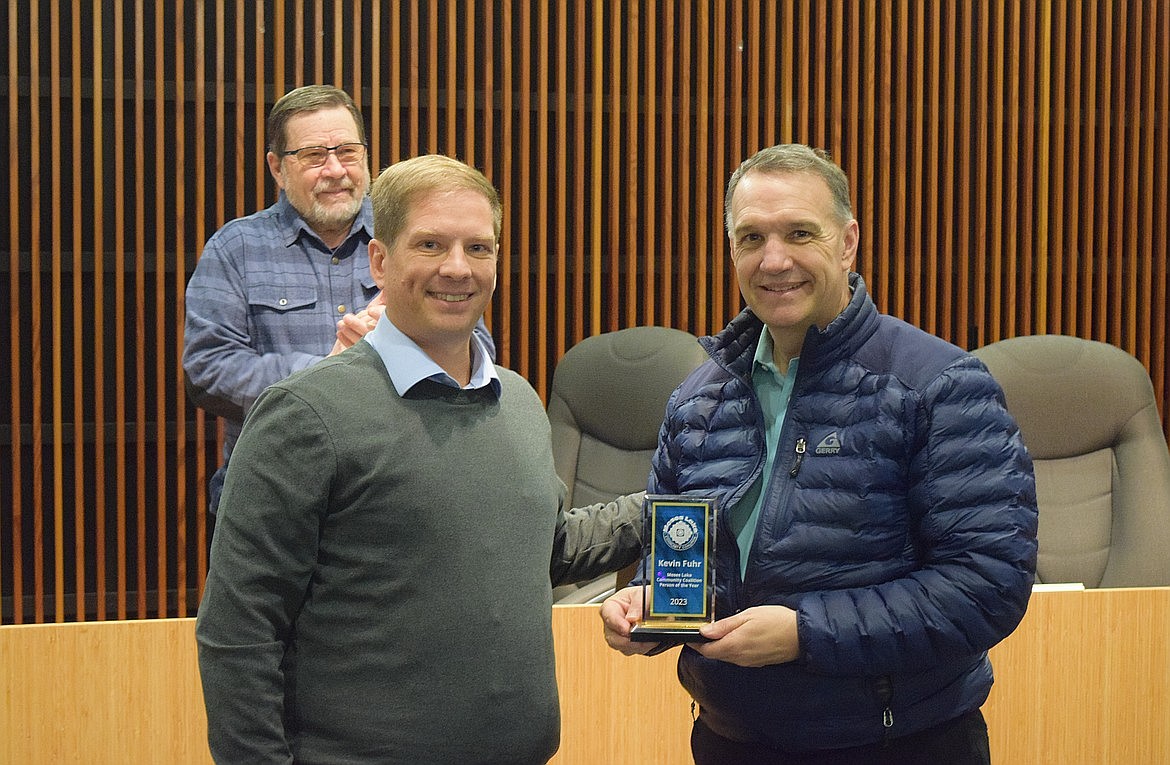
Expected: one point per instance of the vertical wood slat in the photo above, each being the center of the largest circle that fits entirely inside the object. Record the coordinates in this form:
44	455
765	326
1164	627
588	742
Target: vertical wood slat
543	252
1055	140
432	86
199	236
596	145
1011	182
702	288
469	84
1072	103
451	85
412	78
1117	264
1041	251
989	276
717	140
36	369
611	299
170	371
56	306
140	298
1091	204
373	110
899	110
863	185
988	146
504	184
581	141
1132	205
395	85
684	203
161	368
522	174
121	464
630	160
662	254
14	517
1158	169
964	174
99	290
560	222
259	112
932	176
79	308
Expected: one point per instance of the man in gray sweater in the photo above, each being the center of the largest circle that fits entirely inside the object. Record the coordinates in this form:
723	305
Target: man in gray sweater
392	524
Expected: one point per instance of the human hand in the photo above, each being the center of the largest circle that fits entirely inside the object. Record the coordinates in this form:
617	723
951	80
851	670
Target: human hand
754	637
619	613
354	326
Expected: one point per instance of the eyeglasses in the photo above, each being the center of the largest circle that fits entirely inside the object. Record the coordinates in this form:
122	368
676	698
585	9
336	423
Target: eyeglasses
315	156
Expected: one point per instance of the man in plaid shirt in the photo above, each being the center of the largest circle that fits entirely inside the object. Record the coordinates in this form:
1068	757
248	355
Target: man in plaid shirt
278	290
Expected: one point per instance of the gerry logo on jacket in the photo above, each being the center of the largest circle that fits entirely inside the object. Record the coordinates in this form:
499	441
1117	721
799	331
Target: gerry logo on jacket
830	444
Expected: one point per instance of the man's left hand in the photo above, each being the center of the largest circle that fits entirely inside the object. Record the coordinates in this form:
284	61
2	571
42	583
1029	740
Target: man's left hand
754	637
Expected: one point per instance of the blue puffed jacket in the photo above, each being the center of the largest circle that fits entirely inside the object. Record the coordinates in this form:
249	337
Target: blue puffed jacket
899	523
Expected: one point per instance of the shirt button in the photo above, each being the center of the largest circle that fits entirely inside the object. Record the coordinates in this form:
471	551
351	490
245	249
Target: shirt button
336	261
283	301
341	309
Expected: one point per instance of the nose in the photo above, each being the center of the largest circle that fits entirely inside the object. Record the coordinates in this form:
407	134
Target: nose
333	166
775	256
455	265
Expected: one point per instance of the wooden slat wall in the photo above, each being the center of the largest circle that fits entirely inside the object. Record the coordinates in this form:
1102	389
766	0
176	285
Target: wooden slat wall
1010	162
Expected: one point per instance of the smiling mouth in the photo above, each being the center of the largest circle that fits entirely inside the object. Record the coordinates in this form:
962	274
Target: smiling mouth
781	289
452	297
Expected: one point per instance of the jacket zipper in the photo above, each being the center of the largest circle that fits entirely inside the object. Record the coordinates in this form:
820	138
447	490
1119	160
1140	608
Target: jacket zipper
800	449
886	693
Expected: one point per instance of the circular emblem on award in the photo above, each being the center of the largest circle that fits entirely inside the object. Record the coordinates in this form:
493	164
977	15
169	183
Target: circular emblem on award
680	532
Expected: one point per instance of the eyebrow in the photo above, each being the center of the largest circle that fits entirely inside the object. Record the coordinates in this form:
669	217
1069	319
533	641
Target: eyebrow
429	233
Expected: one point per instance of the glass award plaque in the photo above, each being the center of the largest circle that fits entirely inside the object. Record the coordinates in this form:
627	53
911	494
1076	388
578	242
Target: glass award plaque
678	573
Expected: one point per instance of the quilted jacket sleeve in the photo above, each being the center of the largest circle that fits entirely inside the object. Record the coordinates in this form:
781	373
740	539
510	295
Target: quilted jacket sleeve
973	515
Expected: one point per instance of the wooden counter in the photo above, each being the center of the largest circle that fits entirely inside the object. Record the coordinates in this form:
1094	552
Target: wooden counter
1085	679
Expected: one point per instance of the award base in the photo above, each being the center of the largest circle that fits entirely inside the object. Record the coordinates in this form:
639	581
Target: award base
669	633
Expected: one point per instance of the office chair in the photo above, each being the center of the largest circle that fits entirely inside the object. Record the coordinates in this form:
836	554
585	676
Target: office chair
1089	418
606	405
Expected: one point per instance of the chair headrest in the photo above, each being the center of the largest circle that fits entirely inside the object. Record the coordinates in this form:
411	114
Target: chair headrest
1069	395
616	384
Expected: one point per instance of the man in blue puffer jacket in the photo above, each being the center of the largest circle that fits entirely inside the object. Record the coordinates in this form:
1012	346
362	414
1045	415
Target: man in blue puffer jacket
877	527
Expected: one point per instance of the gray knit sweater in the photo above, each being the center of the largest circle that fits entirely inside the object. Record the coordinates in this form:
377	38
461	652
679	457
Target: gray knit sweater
379	588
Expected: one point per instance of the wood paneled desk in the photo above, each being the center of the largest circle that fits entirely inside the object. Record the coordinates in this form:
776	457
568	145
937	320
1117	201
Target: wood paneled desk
1085	679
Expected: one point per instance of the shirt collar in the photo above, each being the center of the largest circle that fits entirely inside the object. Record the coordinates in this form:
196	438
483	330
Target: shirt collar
764	349
408	364
293	225
764	357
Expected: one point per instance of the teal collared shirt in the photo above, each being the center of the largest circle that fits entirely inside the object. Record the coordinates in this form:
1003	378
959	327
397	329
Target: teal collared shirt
408	364
774	390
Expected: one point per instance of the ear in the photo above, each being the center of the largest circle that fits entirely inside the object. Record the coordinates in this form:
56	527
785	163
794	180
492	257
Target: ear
274	168
851	237
378	255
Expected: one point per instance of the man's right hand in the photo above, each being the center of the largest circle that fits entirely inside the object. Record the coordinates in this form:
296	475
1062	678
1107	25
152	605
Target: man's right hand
620	612
354	326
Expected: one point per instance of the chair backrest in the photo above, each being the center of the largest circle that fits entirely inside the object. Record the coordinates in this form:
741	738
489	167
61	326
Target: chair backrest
1089	418
606	406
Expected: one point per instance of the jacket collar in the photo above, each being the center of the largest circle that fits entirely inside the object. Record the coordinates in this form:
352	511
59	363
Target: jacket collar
734	347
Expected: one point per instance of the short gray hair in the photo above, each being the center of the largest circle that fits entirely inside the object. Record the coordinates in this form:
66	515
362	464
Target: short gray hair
794	158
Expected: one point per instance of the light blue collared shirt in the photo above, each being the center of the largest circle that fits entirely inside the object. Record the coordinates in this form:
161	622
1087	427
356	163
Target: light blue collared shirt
774	390
408	364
